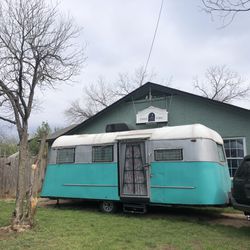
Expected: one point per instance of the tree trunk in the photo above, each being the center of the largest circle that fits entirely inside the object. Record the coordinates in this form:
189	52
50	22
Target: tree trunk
34	182
19	212
26	196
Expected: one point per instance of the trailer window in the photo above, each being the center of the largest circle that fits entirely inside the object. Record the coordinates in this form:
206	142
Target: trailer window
102	153
168	155
65	155
221	153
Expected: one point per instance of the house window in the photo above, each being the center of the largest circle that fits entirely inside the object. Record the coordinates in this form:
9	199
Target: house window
65	155
168	155
102	153
235	152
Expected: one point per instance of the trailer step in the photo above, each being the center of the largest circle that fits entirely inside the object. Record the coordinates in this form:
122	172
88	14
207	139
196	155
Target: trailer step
134	208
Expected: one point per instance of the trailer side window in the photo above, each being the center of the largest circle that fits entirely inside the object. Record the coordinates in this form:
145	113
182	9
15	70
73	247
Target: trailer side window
168	155
102	153
65	155
221	153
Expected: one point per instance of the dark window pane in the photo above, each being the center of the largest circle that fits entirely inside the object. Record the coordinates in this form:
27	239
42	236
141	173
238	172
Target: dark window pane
65	155
233	153
228	152
151	117
229	162
233	172
234	163
226	144
168	155
233	143
239	143
240	153
102	153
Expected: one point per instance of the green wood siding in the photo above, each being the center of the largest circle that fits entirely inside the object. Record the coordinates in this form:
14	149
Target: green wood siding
226	120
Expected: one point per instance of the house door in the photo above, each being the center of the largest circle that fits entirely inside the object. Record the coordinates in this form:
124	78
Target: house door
133	169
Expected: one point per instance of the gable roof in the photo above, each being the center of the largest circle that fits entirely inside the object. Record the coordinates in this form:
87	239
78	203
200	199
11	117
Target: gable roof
156	90
60	132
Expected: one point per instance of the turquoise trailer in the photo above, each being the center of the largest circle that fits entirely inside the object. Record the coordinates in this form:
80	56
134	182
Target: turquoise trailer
181	165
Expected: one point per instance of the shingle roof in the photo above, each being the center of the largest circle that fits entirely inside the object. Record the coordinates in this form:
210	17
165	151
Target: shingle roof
60	132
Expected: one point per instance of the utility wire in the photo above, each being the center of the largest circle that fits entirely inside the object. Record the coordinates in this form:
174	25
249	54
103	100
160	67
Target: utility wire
152	43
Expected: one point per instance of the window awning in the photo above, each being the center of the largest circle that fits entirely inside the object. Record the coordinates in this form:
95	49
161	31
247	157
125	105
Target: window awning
133	137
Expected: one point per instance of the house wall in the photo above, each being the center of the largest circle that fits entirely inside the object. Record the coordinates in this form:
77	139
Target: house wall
228	121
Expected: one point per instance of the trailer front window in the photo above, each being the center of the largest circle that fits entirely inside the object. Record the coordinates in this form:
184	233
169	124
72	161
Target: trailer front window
221	154
65	155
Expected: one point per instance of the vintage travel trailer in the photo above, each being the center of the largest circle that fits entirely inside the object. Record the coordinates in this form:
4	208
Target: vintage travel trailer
181	165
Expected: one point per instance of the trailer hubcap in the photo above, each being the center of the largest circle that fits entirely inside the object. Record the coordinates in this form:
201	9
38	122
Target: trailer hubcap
108	206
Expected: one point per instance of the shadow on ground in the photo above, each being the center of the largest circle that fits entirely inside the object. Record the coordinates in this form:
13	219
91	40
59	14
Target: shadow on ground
210	215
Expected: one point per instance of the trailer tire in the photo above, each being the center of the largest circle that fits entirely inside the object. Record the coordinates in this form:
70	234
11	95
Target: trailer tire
108	207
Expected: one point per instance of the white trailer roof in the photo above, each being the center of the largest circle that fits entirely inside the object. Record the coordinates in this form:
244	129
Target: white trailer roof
193	131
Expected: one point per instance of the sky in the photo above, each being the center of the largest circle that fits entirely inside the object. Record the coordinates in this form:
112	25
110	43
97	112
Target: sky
117	35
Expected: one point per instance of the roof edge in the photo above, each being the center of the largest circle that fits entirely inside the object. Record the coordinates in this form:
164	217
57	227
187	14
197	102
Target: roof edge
160	88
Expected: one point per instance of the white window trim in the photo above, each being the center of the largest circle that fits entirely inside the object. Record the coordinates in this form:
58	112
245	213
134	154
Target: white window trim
235	138
244	147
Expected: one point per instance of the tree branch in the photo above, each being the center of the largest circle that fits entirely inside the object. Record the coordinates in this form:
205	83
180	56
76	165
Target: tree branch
7	120
225	9
222	84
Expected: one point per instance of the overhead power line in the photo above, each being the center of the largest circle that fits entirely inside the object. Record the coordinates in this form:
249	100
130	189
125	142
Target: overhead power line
152	43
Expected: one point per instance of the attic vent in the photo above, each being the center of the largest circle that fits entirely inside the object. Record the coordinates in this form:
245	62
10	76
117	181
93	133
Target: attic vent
116	127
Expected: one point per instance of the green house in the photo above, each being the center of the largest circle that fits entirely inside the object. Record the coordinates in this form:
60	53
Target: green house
153	105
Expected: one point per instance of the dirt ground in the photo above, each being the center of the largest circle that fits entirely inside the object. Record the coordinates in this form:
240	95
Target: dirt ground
234	220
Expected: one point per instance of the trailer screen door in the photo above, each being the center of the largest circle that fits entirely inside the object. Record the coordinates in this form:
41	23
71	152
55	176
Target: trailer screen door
133	174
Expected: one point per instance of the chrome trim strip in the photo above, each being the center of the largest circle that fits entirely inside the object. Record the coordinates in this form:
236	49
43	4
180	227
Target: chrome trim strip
174	187
89	185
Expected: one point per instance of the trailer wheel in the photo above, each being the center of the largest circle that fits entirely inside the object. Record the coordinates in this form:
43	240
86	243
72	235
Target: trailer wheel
108	207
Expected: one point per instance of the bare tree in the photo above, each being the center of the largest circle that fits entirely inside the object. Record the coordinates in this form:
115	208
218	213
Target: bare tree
126	83
95	97
78	112
222	84
37	50
226	9
100	95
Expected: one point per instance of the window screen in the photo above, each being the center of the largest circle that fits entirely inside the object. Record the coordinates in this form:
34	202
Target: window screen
65	155
168	155
221	153
102	153
234	152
